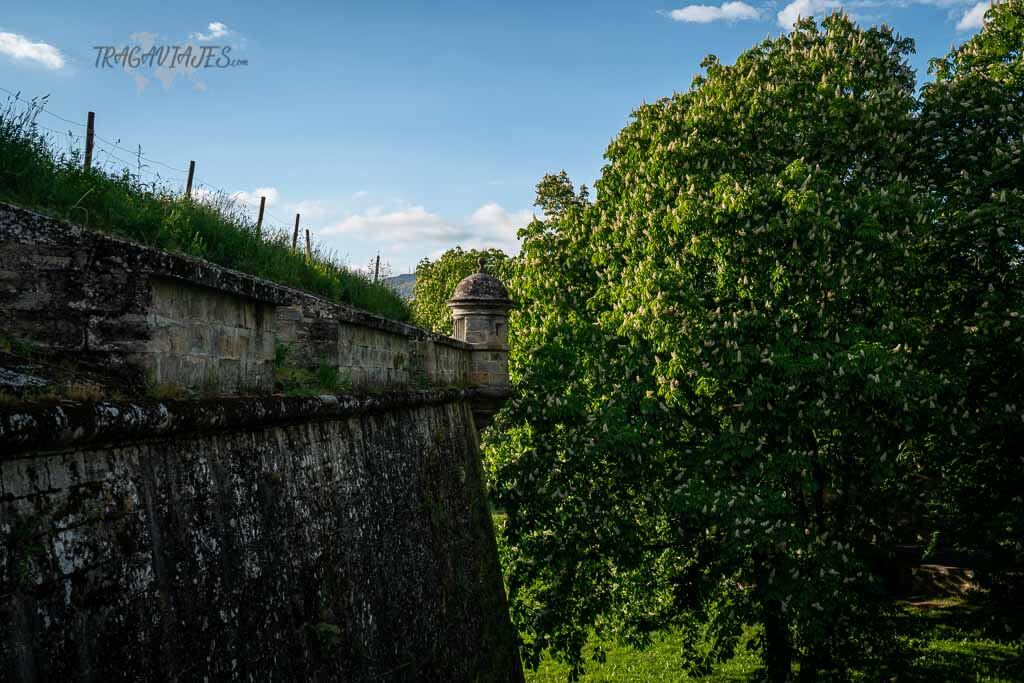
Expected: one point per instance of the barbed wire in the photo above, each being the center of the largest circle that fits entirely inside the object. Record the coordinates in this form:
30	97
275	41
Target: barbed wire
111	155
35	104
139	153
276	218
135	166
67	133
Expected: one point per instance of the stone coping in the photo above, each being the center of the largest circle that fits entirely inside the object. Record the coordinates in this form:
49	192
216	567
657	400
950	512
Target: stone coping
31	430
22	225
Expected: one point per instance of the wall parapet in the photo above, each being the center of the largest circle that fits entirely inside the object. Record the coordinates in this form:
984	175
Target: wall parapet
69	424
155	318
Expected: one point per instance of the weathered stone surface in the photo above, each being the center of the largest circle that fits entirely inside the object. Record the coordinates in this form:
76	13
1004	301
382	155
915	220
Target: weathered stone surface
480	306
33	427
118	305
375	356
160	318
259	538
196	336
480	287
251	539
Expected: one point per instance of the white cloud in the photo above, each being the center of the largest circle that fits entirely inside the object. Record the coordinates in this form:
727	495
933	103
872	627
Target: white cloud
217	30
489	226
705	14
314	209
494	222
253	198
405	225
974	18
797	9
20	47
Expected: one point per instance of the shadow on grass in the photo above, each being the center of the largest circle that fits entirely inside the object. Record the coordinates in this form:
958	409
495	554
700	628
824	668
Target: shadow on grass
952	640
941	640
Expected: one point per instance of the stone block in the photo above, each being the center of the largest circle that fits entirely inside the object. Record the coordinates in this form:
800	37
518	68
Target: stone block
25	477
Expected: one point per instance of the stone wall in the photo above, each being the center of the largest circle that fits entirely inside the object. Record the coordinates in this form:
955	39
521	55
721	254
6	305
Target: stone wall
149	316
249	539
484	329
160	318
255	537
200	336
382	354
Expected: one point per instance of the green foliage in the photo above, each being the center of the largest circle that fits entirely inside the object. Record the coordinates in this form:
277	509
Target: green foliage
949	640
946	641
330	379
329	636
733	367
436	280
22	348
35	175
282	353
296	380
972	142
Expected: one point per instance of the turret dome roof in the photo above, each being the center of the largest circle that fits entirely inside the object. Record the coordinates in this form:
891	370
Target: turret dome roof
481	287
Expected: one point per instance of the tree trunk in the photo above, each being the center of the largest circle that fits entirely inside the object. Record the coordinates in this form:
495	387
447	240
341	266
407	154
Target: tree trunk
778	655
778	651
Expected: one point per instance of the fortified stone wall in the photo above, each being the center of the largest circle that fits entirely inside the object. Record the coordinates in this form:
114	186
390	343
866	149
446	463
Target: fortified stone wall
201	335
371	352
161	318
256	537
250	539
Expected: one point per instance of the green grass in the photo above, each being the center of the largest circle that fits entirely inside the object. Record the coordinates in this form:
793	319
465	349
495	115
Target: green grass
295	380
944	640
660	662
952	640
111	198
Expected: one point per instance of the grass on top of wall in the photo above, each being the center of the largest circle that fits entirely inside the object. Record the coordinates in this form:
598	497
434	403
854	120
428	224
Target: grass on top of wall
111	198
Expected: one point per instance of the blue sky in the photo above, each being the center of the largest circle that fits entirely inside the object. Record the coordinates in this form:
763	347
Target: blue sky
401	128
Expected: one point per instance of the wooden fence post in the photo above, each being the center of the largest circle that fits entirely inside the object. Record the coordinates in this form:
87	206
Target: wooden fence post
191	173
295	234
259	221
90	131
309	248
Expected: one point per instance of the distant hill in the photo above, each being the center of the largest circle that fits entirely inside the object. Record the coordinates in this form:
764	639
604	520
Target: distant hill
401	284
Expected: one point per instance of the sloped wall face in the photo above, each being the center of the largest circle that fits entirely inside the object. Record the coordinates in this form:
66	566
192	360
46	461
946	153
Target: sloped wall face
356	548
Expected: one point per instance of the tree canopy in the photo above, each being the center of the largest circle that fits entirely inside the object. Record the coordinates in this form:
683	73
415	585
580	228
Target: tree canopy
797	293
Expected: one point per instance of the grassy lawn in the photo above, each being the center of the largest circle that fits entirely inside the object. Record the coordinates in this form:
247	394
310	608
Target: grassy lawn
951	640
947	640
659	663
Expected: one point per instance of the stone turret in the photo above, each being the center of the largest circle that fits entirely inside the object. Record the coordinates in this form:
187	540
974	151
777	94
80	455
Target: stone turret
479	306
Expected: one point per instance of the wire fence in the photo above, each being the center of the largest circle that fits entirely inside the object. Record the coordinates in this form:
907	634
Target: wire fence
104	154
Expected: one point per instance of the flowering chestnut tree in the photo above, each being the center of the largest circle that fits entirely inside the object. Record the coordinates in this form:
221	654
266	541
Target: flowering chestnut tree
731	365
971	132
